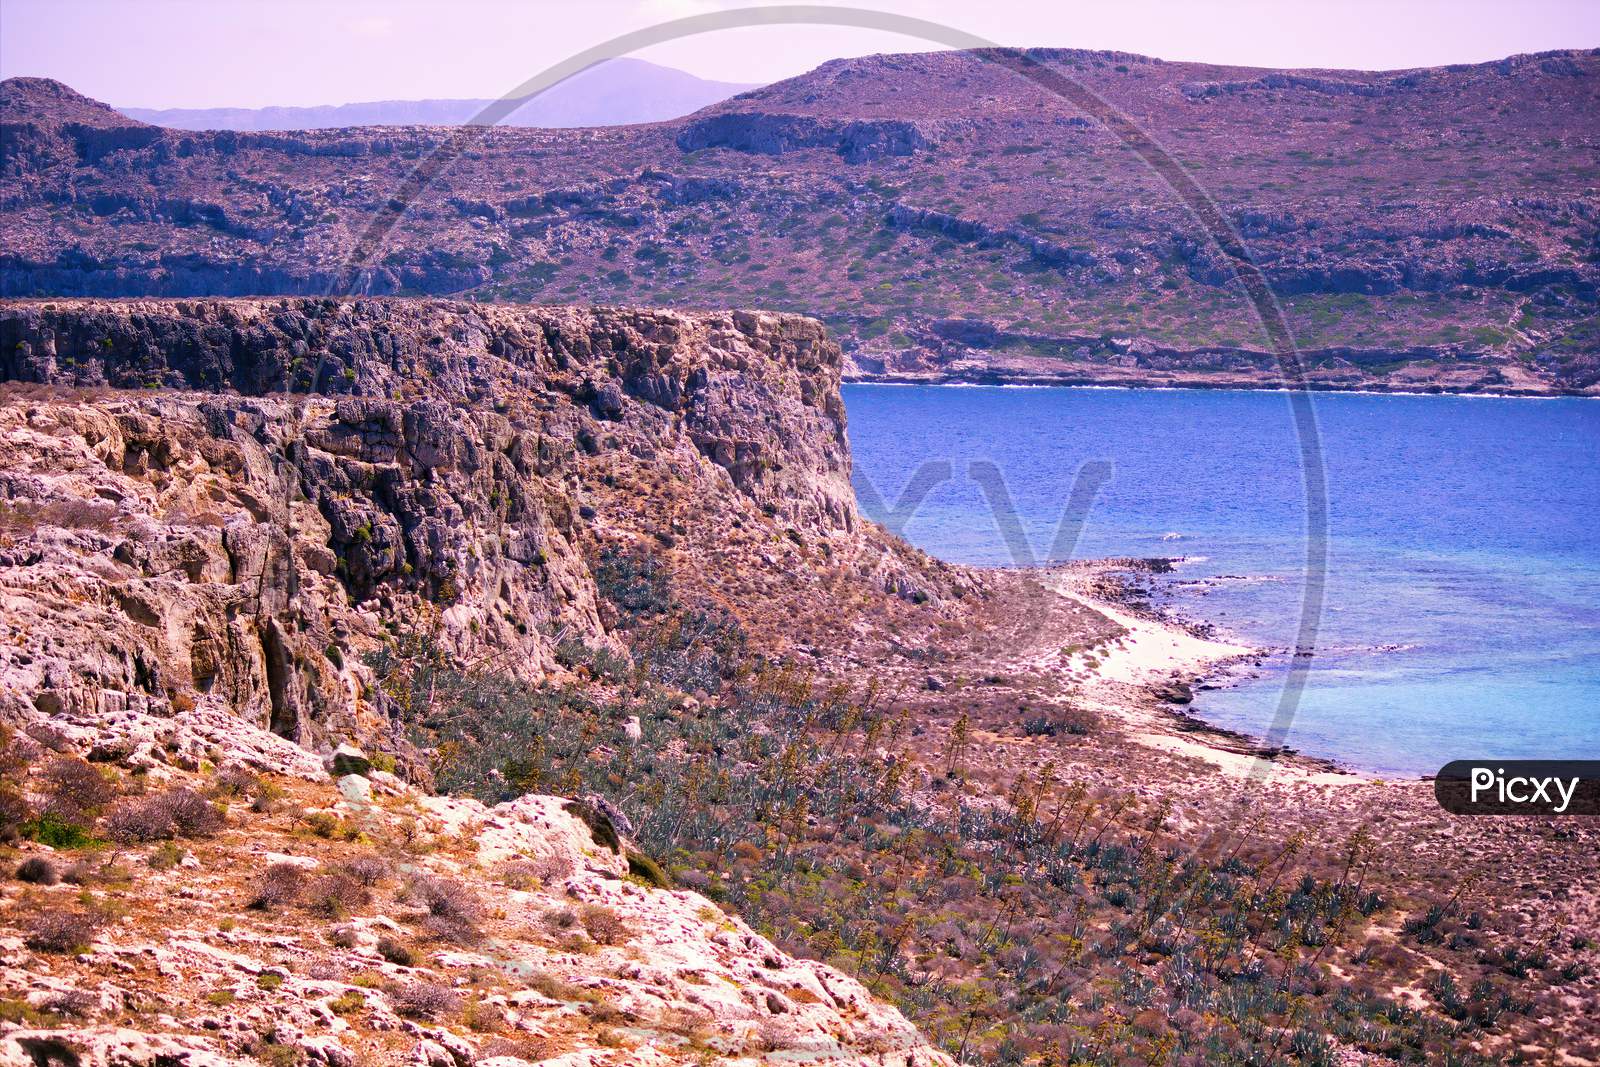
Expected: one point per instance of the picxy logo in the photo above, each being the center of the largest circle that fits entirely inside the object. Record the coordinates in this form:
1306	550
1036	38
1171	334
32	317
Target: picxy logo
1522	790
1519	787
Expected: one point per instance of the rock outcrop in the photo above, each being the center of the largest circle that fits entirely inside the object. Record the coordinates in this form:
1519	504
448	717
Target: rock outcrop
183	526
774	135
322	924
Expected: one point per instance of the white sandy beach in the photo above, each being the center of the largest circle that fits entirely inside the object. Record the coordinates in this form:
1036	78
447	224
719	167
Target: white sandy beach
1114	679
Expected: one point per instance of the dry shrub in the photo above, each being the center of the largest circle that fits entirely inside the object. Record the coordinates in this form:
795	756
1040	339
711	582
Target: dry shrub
72	1003
521	874
775	1036
138	820
74	789
24	517
694	1024
266	798
603	925
192	814
327	970
335	894
85	870
425	1000
454	911
396	952
14	811
369	869
533	1049
60	931
278	885
485	1018
39	871
179	812
237	781
557	988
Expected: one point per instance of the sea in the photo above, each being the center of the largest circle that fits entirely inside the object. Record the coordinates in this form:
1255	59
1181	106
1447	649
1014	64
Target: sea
1461	608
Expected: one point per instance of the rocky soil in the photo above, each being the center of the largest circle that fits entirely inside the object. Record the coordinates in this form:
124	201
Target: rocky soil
353	920
1428	229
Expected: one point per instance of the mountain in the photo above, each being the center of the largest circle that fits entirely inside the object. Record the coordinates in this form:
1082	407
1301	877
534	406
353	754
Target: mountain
947	217
616	92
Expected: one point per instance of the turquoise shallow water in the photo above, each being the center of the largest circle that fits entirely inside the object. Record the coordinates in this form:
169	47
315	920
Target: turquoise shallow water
1463	595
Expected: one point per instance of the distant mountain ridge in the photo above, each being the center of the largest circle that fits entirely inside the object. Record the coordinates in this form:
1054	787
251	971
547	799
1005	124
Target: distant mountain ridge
618	92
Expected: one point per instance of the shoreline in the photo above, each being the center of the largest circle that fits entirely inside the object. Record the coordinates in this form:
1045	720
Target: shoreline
1024	382
1156	652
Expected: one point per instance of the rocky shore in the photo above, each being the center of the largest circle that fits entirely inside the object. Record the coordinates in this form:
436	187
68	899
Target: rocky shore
1166	661
1148	366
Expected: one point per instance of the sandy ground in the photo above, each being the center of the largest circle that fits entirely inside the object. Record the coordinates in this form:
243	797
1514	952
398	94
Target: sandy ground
1153	651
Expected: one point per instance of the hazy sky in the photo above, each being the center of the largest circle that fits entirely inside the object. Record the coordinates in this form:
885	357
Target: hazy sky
207	53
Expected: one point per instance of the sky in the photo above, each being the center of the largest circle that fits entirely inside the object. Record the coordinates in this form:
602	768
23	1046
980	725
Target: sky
251	53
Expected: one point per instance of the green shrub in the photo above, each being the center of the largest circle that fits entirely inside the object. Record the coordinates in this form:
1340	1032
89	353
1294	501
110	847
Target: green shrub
51	829
634	582
648	870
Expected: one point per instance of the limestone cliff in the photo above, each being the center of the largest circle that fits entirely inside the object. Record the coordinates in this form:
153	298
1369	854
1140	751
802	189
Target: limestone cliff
213	512
228	502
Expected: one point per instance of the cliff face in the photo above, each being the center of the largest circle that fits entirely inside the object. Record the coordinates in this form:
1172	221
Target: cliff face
197	556
179	528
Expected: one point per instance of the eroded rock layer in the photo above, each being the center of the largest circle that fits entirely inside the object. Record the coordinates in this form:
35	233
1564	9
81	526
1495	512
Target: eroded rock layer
231	502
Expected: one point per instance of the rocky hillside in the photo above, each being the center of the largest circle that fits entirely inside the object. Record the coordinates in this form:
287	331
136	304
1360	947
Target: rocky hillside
248	906
207	577
181	529
666	756
1423	229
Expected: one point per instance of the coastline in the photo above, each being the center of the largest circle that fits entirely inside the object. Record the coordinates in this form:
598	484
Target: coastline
1155	652
1002	381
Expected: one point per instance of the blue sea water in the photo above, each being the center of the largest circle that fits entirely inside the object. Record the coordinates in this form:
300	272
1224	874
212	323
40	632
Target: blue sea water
1462	614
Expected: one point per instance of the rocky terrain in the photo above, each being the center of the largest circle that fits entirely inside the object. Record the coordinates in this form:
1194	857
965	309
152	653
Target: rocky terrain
391	681
198	565
353	920
458	461
949	219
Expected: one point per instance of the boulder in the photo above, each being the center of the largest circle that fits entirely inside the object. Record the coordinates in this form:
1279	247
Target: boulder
1174	692
348	759
355	789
